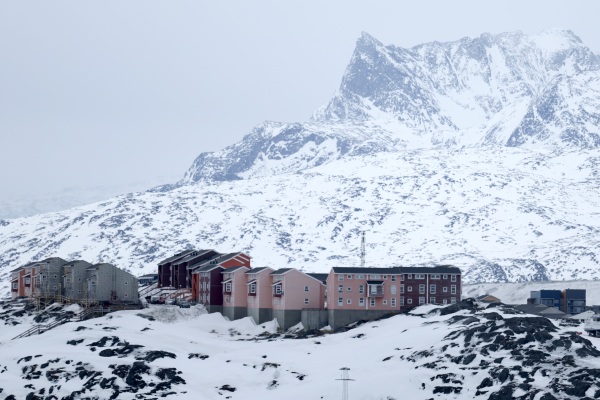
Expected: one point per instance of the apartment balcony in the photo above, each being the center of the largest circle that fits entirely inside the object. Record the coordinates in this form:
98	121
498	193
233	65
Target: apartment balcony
375	289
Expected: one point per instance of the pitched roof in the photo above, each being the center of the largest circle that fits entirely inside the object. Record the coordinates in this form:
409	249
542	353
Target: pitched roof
364	270
320	277
232	269
281	271
194	254
207	268
258	270
177	256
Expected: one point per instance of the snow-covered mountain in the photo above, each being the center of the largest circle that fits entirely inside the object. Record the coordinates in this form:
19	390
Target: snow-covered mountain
481	152
463	351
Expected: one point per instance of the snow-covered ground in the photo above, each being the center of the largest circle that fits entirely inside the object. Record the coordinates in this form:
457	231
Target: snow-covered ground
188	354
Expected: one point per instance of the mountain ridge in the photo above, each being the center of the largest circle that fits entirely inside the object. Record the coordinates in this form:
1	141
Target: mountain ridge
487	160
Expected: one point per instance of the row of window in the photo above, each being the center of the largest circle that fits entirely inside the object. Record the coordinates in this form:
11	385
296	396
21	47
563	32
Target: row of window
432	289
393	277
361	302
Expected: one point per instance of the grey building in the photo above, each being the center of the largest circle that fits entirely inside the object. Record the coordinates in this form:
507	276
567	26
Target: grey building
74	280
107	283
48	279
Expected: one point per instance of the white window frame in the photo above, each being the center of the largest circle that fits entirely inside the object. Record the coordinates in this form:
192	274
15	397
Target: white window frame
445	289
349	276
453	289
361	289
340	277
361	301
252	288
452	278
422	288
409	288
306	288
227	287
393	289
393	278
434	276
340	288
409	301
393	302
385	302
409	276
349	301
421	300
372	302
278	289
340	301
453	300
432	300
305	301
349	289
401	300
432	289
419	276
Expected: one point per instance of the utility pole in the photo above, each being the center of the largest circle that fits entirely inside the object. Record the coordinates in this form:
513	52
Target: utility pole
362	250
345	378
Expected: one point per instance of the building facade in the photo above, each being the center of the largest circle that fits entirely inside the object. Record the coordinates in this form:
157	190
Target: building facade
355	294
294	291
258	283
235	292
109	284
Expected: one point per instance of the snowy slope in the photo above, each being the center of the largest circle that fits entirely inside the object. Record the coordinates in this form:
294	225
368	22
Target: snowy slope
186	354
503	214
482	153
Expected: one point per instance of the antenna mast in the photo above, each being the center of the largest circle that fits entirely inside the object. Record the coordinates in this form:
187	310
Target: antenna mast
362	250
345	378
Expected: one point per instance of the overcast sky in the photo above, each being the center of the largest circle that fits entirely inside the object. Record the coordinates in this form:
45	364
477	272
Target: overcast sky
120	92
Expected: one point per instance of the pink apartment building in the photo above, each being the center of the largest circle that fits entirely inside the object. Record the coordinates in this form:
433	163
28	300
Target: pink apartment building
258	282
235	292
294	291
355	294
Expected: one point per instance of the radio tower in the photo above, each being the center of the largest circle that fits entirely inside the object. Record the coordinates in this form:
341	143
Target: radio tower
362	250
345	378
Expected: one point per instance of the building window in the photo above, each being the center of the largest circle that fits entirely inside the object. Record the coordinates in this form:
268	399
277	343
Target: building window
432	289
55	276
340	288
361	301
409	301
402	288
340	301
375	276
349	288
453	278
384	277
393	302
445	301
453	289
79	280
14	285
393	278
340	277
79	291
393	289
349	276
409	276
419	276
422	289
453	300
126	295
372	302
361	289
127	283
401	300
402	277
349	301
445	276
278	289
227	286
359	276
410	288
421	300
432	300
435	276
253	288
305	301
385	302
445	290
306	288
